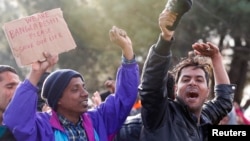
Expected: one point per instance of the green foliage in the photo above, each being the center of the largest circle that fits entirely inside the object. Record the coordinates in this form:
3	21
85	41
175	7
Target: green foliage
90	21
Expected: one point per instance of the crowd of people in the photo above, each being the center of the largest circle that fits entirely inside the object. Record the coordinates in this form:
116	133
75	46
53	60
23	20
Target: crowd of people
164	102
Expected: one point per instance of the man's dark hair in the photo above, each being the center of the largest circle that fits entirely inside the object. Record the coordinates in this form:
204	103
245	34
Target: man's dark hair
5	68
196	61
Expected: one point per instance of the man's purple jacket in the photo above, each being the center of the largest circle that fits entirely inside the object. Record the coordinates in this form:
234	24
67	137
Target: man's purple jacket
101	123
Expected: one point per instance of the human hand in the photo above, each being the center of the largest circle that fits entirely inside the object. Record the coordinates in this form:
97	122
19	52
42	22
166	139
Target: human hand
96	98
212	51
44	65
110	84
206	49
166	19
120	38
179	8
40	67
46	108
54	62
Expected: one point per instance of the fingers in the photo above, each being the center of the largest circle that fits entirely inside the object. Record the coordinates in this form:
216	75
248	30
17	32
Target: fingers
54	59
167	19
46	108
46	54
116	33
201	47
96	98
109	83
205	49
46	64
120	38
206	46
112	33
51	59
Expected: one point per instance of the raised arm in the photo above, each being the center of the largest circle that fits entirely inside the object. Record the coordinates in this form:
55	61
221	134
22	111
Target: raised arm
212	51
20	115
157	64
117	106
39	68
222	103
166	19
120	38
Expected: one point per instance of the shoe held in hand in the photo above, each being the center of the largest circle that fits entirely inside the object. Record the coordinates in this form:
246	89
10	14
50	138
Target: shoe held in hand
180	7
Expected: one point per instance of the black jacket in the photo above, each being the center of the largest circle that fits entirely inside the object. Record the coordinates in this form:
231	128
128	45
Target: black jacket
130	130
165	119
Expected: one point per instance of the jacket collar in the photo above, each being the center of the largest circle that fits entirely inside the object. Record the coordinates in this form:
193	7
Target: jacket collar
203	119
87	124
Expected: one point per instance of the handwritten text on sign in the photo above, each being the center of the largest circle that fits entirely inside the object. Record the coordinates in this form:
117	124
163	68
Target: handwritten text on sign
29	37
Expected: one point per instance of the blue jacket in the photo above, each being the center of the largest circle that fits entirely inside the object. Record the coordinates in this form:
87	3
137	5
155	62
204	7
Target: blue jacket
102	123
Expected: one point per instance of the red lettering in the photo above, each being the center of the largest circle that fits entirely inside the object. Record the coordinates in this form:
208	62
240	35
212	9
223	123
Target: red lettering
41	42
29	19
39	33
43	15
12	34
19	31
55	36
37	17
25	47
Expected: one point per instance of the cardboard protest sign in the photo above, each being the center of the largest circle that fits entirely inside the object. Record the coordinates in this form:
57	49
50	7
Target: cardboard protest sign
30	36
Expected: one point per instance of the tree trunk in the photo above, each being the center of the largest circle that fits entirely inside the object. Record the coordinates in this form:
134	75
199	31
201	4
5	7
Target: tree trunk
238	70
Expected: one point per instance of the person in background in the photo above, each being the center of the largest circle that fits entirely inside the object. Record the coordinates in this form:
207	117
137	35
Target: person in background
9	80
99	97
187	117
96	99
241	118
66	93
109	85
230	118
131	129
235	117
136	109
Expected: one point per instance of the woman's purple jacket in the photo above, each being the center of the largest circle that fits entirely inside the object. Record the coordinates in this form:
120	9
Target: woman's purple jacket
22	118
